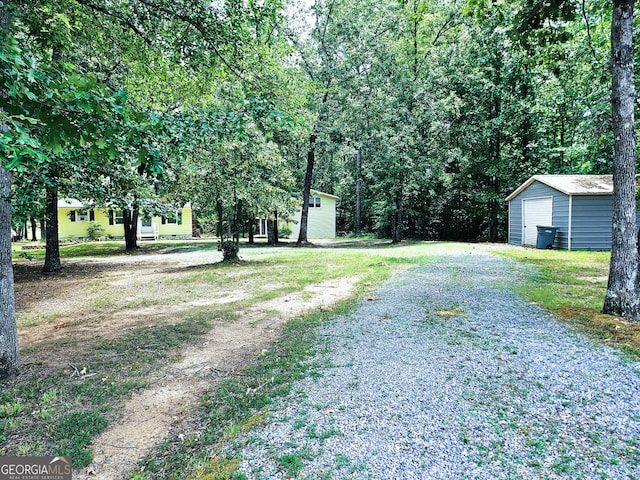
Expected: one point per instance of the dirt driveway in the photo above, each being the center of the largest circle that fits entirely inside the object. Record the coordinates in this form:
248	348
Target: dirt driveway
59	316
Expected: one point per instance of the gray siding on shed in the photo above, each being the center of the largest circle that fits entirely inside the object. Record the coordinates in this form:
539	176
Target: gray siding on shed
591	226
560	213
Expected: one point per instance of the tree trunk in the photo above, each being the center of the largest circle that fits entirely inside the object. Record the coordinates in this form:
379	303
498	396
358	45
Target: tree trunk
622	291
396	221
33	229
270	233
130	220
358	192
237	222
250	225
306	193
276	235
10	360
493	212
308	177
52	253
219	223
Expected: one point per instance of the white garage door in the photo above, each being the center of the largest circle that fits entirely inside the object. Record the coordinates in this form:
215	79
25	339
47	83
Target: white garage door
535	211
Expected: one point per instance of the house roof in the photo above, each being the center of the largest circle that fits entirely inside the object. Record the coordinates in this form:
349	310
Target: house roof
318	192
571	184
70	203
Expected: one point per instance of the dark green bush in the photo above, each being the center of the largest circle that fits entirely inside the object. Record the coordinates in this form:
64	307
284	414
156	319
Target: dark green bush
229	251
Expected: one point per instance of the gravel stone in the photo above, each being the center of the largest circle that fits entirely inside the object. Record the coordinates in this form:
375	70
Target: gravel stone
449	374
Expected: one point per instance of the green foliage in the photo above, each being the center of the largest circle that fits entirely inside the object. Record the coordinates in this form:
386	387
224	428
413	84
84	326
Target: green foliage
75	432
94	231
284	231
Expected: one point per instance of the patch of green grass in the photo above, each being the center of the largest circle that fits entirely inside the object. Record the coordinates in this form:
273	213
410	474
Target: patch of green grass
220	468
573	285
59	412
75	431
114	248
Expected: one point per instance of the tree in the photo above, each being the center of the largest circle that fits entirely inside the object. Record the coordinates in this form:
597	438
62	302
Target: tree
623	294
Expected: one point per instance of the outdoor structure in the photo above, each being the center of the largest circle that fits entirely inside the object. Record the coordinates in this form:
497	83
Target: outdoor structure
321	223
74	220
579	206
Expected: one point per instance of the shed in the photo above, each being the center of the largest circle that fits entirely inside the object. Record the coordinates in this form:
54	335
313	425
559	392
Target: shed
321	222
580	206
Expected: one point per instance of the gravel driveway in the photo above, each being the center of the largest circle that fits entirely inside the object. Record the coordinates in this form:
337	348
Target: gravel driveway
449	374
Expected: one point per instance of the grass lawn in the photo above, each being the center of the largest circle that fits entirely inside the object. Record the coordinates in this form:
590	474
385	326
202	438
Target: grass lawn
572	285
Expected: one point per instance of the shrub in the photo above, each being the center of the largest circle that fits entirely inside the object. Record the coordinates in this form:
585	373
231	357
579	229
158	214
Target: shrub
229	251
94	231
284	231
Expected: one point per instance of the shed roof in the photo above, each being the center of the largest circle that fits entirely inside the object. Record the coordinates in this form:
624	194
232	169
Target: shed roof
571	184
318	192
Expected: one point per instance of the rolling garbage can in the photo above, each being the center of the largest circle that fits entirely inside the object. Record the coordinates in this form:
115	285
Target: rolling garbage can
546	237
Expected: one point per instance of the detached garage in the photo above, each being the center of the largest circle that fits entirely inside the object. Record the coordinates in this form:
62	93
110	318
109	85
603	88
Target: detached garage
579	206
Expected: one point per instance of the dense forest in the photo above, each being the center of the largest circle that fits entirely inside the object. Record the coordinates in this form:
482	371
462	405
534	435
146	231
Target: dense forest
421	116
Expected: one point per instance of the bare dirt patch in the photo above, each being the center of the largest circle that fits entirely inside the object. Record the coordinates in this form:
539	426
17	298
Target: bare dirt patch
61	315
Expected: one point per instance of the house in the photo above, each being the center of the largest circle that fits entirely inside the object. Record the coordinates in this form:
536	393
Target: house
74	220
321	222
579	206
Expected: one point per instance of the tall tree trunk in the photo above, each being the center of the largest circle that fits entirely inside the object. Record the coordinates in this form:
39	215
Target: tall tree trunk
308	176
270	233
622	297
397	220
43	229
33	229
250	225
493	211
52	252
306	193
220	222
130	220
276	235
237	222
358	192
10	360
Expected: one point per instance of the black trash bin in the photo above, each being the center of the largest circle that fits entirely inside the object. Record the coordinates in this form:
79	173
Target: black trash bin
546	237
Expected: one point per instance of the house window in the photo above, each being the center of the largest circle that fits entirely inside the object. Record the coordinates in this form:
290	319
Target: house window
82	215
314	202
174	218
116	217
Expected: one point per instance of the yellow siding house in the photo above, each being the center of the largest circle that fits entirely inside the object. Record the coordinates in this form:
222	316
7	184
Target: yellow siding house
321	222
74	220
322	217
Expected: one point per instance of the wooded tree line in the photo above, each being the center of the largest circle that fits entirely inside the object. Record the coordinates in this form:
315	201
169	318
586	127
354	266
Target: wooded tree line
420	115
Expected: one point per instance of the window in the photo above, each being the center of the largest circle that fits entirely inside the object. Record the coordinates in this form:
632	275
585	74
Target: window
116	217
174	218
82	215
314	202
